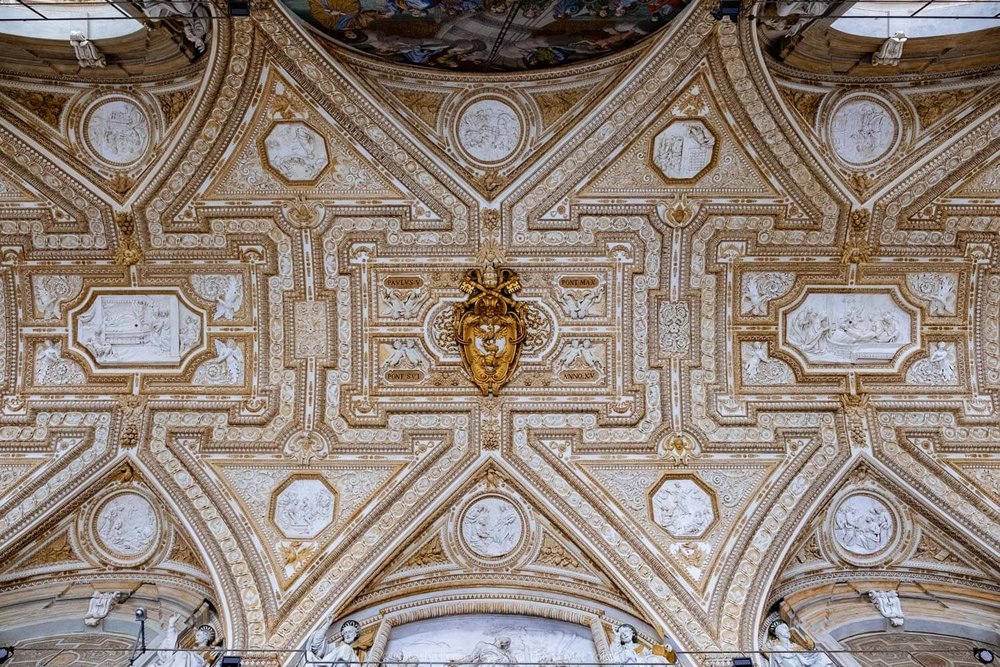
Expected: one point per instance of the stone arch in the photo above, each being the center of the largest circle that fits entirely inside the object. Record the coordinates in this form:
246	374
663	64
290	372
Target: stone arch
81	572
925	558
435	571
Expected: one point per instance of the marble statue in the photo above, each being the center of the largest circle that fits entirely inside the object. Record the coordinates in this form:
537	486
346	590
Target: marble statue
891	50
887	603
193	13
340	651
626	649
87	54
100	606
803	11
168	655
786	653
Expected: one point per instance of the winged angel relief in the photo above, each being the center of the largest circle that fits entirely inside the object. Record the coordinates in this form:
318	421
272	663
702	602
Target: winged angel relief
490	327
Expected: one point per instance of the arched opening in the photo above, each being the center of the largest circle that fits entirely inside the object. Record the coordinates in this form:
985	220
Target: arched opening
57	19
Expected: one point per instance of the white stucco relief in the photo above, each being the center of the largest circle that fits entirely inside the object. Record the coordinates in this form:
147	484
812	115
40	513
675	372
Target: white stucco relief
683	149
939	289
760	369
581	296
887	603
402	297
682	507
228	367
304	508
862	131
51	291
117	131
489	130
127	524
849	329
491	527
130	330
296	151
938	368
226	291
52	368
862	525
99	607
581	361
761	287
486	640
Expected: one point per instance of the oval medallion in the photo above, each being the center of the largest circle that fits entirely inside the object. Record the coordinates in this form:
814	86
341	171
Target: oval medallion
117	131
863	525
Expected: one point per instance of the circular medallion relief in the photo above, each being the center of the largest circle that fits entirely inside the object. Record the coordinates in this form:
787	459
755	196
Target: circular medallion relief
117	131
127	525
489	130
863	525
491	527
863	130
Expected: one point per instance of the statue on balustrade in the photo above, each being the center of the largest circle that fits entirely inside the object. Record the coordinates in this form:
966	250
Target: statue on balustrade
341	651
204	654
626	649
784	652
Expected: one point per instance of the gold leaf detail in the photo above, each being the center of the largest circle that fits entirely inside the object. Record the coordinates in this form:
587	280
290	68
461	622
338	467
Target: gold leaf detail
173	104
932	107
431	553
554	104
47	106
59	550
554	554
128	253
804	102
422	104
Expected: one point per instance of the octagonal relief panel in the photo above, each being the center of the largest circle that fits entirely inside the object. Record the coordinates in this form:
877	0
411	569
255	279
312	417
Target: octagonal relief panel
684	150
303	507
295	152
683	506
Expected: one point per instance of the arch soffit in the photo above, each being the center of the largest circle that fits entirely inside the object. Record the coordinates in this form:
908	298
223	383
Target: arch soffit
809	515
130	475
687	629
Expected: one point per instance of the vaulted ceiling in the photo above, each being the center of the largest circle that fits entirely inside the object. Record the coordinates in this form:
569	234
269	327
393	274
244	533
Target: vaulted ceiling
757	303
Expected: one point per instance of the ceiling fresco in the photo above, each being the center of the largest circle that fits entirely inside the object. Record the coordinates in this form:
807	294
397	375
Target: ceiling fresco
671	350
486	35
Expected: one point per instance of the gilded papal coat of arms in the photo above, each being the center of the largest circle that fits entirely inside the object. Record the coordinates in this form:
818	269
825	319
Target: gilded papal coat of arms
490	327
